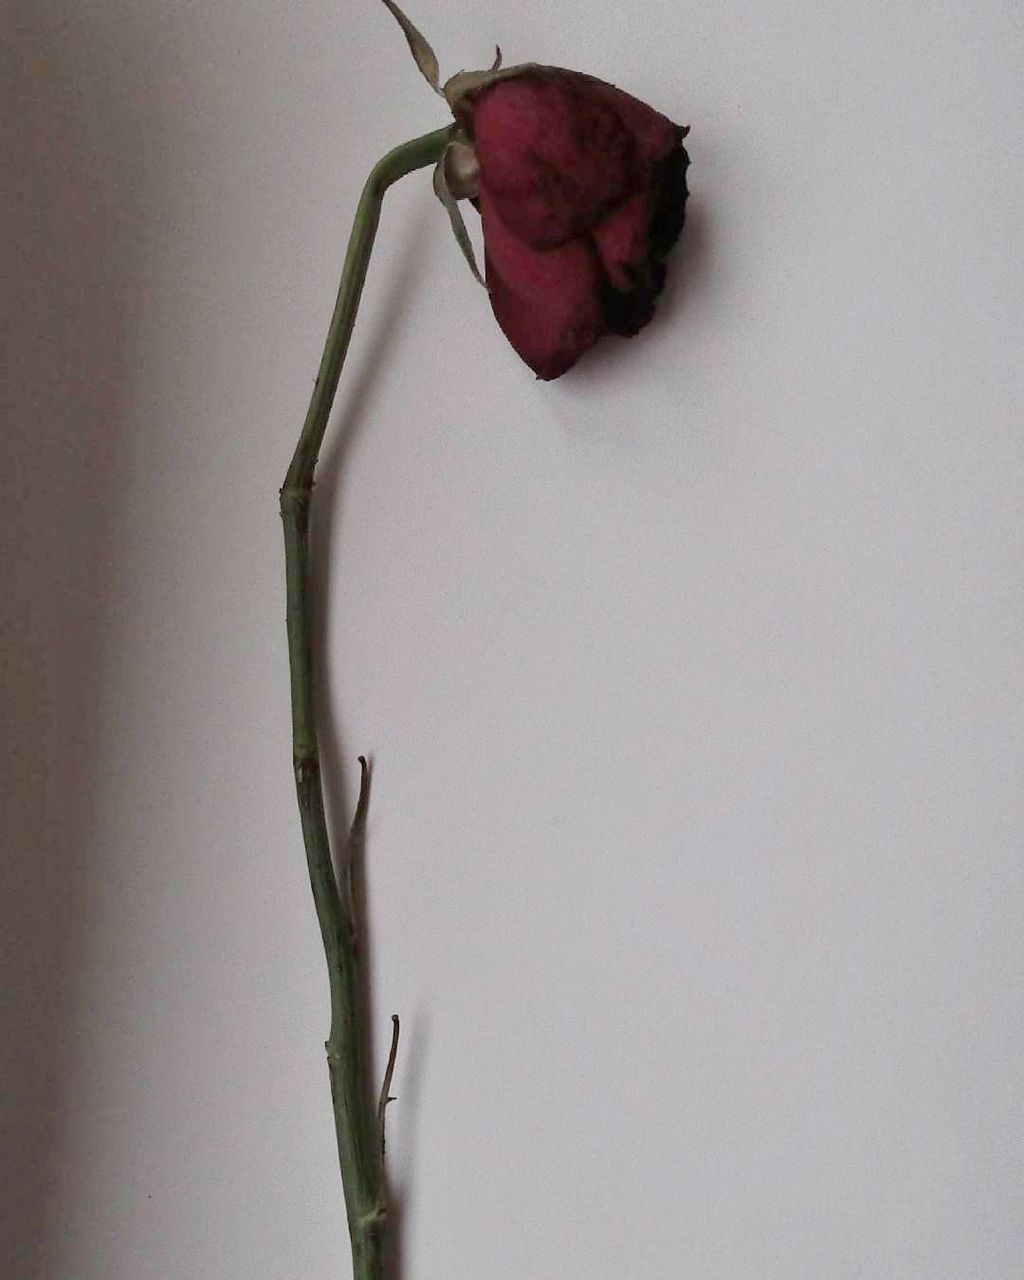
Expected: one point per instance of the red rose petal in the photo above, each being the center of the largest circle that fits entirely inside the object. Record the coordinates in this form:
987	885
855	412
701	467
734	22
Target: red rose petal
621	238
653	134
553	154
546	301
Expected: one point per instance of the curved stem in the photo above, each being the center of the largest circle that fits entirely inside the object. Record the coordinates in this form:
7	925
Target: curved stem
355	1121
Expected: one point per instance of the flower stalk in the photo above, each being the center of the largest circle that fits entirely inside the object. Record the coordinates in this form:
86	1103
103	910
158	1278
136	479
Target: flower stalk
358	1125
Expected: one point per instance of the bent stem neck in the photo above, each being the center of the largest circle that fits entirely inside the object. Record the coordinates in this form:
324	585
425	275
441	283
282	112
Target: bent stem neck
403	159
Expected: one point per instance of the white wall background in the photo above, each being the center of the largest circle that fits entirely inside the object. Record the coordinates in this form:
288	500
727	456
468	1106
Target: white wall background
693	680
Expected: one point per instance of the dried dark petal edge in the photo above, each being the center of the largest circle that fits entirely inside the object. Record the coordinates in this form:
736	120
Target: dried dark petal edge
626	313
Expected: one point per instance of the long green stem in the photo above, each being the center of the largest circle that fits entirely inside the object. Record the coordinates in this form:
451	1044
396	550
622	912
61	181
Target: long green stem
355	1121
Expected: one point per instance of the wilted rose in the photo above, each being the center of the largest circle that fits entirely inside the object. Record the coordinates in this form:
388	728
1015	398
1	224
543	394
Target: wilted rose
582	192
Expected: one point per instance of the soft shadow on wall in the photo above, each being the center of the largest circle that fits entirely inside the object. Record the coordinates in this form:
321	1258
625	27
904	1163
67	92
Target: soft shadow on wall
77	166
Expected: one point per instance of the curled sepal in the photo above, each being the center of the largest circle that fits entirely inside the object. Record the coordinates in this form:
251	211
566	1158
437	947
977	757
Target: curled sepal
463	82
425	57
443	193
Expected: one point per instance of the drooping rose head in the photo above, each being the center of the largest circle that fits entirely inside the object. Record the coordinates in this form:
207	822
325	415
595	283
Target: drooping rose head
581	191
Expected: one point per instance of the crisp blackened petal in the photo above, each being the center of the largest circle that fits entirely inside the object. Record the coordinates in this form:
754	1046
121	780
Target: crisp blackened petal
627	311
670	193
546	301
634	266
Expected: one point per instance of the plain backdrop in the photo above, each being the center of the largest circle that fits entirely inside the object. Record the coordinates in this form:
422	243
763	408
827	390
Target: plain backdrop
692	680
